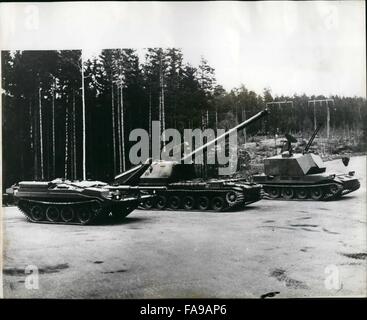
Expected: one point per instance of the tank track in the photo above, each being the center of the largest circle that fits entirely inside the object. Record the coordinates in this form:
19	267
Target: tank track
217	200
314	192
71	213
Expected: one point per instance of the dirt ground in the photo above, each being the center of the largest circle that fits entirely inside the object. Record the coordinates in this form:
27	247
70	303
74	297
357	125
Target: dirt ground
271	249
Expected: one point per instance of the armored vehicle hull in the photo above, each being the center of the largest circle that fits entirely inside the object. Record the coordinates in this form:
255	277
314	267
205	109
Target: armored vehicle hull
216	195
184	190
79	202
314	187
303	176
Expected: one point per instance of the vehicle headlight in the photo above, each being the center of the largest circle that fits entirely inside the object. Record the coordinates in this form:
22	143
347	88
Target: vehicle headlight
115	195
107	194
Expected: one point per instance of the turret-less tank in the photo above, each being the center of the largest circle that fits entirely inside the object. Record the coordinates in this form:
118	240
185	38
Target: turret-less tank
74	202
185	190
303	176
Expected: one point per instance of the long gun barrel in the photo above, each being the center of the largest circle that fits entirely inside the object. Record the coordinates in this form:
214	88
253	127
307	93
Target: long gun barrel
312	138
242	125
138	188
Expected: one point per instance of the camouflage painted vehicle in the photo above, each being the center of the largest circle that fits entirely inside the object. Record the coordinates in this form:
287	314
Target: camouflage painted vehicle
303	176
75	202
184	190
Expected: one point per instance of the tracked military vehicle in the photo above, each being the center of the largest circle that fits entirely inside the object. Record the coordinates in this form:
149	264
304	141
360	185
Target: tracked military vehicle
303	176
74	202
185	190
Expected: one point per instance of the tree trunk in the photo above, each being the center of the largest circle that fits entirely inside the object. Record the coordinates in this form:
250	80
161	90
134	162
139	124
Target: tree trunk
244	119
327	120
36	142
66	142
84	129
150	118
122	128
31	119
163	125
53	135
119	126
41	131
113	129
160	113
163	108
74	138
314	116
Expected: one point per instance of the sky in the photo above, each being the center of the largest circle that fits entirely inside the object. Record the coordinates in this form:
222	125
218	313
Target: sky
312	47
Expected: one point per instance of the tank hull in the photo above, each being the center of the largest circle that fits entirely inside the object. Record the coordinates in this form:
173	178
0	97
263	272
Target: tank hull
184	188
222	195
308	187
74	203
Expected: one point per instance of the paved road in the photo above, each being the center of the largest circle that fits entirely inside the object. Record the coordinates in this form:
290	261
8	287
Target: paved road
285	248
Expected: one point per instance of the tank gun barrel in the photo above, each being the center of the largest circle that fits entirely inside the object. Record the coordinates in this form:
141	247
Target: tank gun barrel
240	126
138	188
312	138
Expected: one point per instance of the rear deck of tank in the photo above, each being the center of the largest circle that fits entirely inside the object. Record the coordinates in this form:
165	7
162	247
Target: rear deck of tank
284	249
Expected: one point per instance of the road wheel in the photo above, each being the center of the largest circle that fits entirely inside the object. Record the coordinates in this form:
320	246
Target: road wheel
231	197
96	207
317	193
288	193
217	203
67	214
333	189
161	202
52	214
149	203
174	202
273	192
302	193
203	203
37	213
85	215
189	203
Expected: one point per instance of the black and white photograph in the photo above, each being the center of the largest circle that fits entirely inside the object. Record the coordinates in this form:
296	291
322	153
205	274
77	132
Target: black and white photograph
159	150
